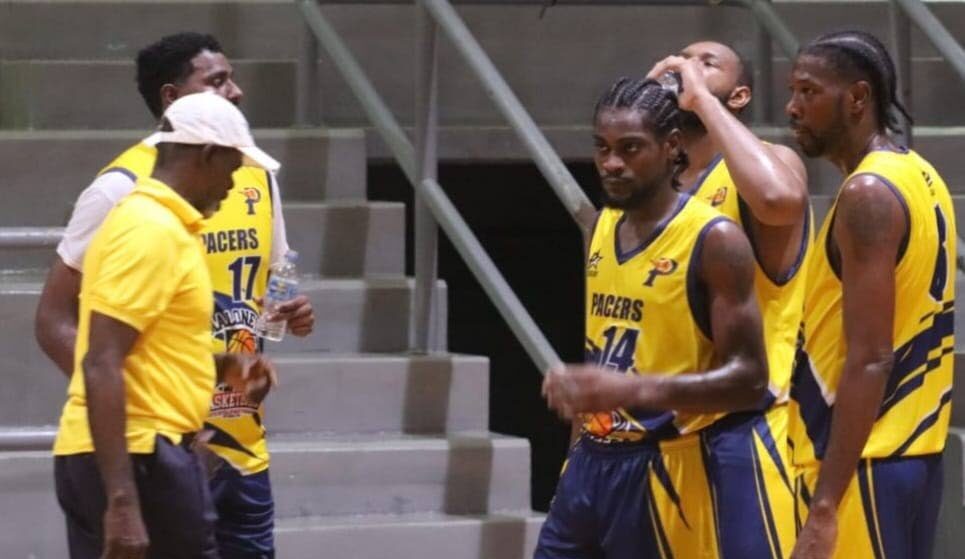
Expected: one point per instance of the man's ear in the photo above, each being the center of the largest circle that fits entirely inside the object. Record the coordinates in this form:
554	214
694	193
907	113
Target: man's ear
859	97
169	94
739	98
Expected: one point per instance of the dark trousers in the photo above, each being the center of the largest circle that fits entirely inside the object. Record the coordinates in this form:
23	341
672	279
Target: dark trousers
175	503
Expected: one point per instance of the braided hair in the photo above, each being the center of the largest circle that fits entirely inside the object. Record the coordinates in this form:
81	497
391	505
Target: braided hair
860	55
657	105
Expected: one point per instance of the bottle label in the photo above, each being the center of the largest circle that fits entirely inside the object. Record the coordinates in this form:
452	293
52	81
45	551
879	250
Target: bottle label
281	289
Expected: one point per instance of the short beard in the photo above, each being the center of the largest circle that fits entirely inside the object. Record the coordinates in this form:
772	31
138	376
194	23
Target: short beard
637	198
822	144
632	202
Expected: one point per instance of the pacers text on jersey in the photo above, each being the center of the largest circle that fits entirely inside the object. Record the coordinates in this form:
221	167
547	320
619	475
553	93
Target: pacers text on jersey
230	240
614	306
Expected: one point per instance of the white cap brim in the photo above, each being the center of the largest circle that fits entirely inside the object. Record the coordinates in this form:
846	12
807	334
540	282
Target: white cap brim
253	155
154	139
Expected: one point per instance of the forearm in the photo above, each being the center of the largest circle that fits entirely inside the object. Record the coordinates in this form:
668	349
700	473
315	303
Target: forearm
859	397
768	185
104	386
739	384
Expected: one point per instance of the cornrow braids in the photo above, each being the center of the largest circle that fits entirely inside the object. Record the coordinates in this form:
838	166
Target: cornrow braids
858	53
657	105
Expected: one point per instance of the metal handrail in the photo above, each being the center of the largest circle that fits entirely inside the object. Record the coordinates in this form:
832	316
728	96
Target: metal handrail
512	310
543	154
30	237
939	36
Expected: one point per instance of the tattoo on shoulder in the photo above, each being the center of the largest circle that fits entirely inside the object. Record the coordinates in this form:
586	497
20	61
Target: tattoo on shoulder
869	216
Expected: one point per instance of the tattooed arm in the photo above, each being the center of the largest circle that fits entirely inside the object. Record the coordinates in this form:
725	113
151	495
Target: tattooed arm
868	230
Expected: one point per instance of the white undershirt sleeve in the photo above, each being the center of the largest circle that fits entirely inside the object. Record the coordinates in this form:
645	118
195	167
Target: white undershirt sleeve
91	208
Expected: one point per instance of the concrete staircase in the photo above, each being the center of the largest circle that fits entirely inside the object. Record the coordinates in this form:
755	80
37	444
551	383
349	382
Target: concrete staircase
374	450
377	453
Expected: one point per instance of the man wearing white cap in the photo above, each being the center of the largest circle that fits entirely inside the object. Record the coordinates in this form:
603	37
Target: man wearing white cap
127	478
241	241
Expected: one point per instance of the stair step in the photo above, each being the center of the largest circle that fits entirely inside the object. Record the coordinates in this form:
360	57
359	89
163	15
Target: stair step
367	315
317	164
367	393
462	473
506	535
317	230
34	96
333	393
466	473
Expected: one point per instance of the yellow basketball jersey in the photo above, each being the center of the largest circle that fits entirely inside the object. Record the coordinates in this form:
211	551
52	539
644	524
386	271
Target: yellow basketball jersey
781	300
646	314
237	245
915	412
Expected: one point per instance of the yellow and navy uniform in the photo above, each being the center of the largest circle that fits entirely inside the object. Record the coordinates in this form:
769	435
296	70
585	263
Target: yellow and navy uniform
645	315
757	465
913	419
237	243
781	300
635	484
144	268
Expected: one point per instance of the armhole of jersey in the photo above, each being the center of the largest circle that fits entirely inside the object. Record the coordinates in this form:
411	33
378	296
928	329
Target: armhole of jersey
902	248
696	290
124	171
271	190
787	276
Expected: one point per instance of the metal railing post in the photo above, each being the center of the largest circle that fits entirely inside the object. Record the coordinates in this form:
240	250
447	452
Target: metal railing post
767	16
375	108
763	105
426	232
473	254
901	45
939	36
306	72
543	154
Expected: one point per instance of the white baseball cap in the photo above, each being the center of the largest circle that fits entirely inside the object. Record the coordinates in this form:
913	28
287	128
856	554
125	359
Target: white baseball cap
208	118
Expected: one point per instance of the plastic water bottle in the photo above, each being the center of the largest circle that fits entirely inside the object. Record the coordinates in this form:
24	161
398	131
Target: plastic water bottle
282	286
672	82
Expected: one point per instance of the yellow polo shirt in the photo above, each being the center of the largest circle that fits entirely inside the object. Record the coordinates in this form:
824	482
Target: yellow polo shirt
145	268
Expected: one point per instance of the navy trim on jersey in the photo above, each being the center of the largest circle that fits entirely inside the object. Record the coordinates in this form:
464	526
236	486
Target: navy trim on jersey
836	266
622	257
696	290
122	170
705	173
787	276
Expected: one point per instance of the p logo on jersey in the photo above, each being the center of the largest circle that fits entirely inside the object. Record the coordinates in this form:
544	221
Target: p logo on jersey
252	197
719	197
592	263
661	267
